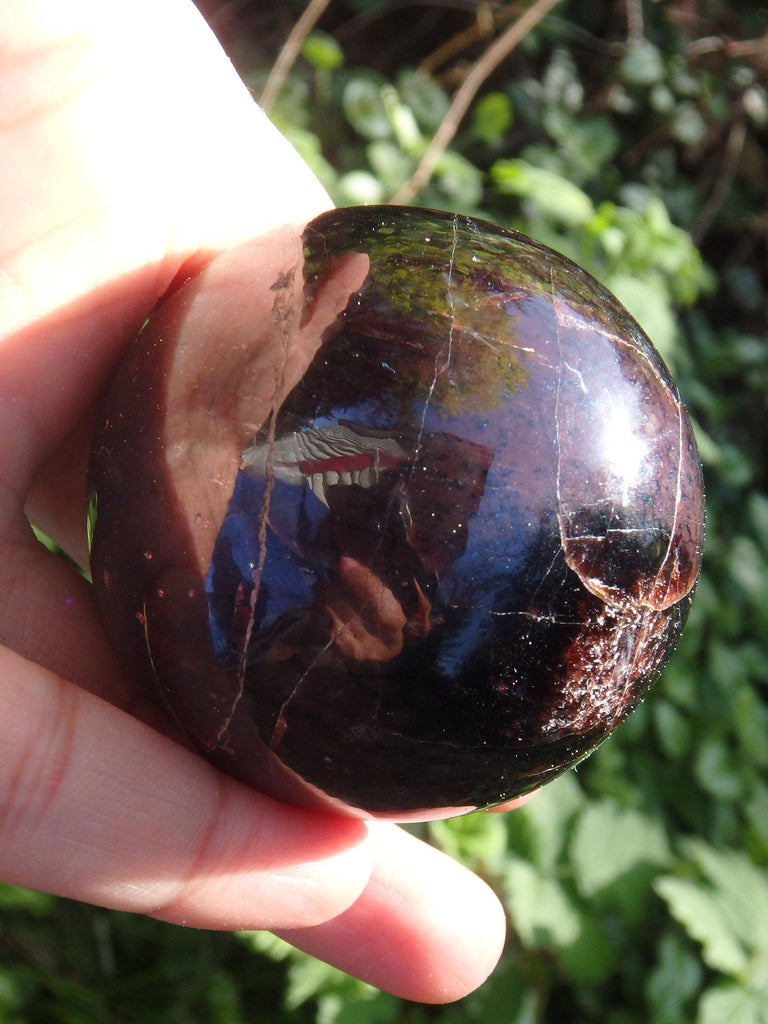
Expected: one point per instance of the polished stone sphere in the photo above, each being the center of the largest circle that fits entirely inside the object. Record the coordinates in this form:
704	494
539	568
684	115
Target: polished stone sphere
401	514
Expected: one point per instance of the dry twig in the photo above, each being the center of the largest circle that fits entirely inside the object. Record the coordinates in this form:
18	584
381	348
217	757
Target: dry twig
290	51
635	30
483	26
465	94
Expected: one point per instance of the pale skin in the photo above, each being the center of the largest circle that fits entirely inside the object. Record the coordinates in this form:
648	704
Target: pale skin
129	150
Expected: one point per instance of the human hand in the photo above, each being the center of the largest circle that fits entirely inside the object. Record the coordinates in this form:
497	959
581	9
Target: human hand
129	152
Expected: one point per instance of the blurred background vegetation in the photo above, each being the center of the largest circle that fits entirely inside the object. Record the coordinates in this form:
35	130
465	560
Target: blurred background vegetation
630	135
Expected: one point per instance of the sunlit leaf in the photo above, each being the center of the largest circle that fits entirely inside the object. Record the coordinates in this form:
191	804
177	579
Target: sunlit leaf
492	116
610	842
364	107
424	96
551	193
475	839
541	913
322	51
641	65
734	1004
701	912
742	887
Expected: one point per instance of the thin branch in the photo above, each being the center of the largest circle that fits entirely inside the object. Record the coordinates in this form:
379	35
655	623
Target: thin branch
290	51
482	27
635	30
747	49
465	94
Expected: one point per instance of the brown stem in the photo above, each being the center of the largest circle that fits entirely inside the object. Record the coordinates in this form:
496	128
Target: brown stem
290	51
465	94
481	28
634	22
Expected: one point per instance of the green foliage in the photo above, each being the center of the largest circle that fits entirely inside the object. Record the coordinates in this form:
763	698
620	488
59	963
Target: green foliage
337	998
323	52
492	118
636	887
65	963
722	903
724	907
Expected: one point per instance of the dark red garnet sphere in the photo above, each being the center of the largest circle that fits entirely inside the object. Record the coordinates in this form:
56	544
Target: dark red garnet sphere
401	515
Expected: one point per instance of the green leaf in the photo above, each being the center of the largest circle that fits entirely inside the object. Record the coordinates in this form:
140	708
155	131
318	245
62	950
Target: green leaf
543	824
688	126
38	904
734	1004
749	568
390	165
755	103
715	769
662	99
562	85
647	299
322	51
422	94
358	188
756	811
750	719
672	728
609	843
222	997
267	944
309	979
503	999
540	911
460	180
585	143
641	65
306	979
552	194
701	912
474	839
675	979
404	124
373	1008
492	116
341	998
364	106
742	888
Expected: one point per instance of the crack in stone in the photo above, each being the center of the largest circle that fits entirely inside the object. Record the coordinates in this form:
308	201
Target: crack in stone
678	500
555	620
441	367
283	315
578	375
281	725
627	531
442	363
621	700
558	438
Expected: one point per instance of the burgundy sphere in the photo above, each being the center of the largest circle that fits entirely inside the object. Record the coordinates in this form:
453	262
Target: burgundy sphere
400	515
